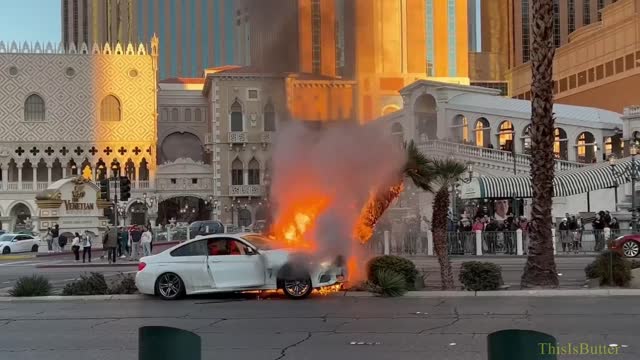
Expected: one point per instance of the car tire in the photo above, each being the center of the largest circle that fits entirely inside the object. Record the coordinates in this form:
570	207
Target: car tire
297	289
631	248
169	286
34	248
6	250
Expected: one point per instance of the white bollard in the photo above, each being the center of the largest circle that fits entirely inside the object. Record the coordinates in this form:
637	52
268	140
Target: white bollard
607	234
553	238
386	242
478	242
430	243
188	232
519	246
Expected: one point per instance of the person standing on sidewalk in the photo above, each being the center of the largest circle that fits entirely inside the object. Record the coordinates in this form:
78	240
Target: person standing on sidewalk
55	236
75	246
123	242
87	240
49	239
146	239
110	243
135	236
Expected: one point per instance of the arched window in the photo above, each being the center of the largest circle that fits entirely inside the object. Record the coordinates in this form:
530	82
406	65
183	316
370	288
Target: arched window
586	147
460	129
254	172
198	115
397	132
187	115
165	115
426	116
110	109
244	217
34	108
389	109
269	118
505	135
236	117
237	173
482	130
526	139
174	115
560	144
613	145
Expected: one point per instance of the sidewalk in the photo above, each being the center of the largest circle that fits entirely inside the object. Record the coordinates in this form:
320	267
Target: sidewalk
97	251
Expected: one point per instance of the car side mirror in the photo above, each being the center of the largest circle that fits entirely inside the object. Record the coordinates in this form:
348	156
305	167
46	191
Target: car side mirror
251	251
14	240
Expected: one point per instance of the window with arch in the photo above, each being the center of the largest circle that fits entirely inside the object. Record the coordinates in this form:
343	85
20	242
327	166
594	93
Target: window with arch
237	123
237	173
254	172
613	145
174	115
187	115
526	139
269	117
244	217
389	109
397	132
586	147
460	129
560	144
34	108
482	132
164	116
505	135
198	115
110	109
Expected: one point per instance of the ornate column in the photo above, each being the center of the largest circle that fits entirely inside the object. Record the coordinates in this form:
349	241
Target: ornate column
35	177
64	171
19	177
49	173
5	177
136	175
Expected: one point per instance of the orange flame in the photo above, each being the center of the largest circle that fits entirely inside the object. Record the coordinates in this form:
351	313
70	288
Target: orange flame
373	210
295	222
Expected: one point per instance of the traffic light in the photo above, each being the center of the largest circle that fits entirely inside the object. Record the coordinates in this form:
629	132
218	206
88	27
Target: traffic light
104	190
125	188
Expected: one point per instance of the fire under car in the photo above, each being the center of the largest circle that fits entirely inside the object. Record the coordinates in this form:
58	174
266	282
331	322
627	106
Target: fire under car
234	263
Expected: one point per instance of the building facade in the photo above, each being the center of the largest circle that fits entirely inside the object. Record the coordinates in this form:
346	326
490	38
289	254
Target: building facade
86	113
194	34
599	66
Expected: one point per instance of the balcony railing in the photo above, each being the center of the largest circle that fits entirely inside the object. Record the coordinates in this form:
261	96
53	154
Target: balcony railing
507	157
238	137
42	185
246	190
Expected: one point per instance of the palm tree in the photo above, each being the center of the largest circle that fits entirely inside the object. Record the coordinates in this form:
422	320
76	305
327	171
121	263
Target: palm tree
540	269
445	173
416	169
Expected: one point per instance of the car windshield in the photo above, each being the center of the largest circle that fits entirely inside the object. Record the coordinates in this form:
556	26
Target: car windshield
6	237
261	242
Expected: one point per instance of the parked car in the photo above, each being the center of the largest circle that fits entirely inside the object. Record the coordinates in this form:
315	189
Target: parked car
202	228
231	263
14	243
626	245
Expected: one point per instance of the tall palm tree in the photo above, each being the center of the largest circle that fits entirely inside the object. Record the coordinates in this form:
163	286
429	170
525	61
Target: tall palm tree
445	173
540	269
416	169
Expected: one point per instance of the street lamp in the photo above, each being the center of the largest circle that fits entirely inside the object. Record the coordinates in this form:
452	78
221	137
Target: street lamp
212	205
634	214
612	163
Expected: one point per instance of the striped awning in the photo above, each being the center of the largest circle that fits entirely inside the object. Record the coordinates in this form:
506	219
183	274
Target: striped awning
573	182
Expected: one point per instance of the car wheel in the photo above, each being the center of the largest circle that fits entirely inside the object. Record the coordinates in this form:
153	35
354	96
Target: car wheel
6	250
630	249
297	289
34	248
169	286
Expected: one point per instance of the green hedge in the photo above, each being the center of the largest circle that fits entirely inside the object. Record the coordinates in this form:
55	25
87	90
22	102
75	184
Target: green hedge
611	268
400	265
34	285
480	276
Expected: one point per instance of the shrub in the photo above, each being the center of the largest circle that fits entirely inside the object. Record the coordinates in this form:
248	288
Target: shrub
390	283
480	276
93	284
125	284
611	268
405	267
34	285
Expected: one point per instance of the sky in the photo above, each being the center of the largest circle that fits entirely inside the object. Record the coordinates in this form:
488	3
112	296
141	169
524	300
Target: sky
29	20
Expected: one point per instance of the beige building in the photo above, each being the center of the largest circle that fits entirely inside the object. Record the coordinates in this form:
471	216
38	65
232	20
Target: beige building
74	113
599	65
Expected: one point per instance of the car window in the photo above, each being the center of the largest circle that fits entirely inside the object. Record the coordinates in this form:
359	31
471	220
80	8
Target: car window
218	247
6	237
23	237
196	248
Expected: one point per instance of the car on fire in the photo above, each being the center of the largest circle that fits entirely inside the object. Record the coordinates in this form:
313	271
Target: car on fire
626	245
234	263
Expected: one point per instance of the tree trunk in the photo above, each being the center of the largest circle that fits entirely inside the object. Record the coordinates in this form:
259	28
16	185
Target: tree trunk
440	240
373	210
540	269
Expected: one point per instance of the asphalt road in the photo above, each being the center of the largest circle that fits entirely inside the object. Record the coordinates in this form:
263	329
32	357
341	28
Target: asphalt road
319	328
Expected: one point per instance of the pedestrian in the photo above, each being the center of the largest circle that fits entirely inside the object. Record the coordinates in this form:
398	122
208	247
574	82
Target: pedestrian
123	243
49	238
110	243
75	246
87	240
62	242
135	235
614	226
598	231
564	234
146	240
55	236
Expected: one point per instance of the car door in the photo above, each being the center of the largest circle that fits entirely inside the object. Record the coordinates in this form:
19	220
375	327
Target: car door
23	243
233	265
190	263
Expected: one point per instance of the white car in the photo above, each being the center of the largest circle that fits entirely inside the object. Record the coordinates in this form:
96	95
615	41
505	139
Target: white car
230	263
14	243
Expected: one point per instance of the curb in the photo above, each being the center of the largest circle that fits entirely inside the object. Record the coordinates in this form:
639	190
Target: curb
72	298
133	264
16	257
507	293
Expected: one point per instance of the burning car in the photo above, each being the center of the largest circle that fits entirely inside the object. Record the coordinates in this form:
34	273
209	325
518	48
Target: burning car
231	263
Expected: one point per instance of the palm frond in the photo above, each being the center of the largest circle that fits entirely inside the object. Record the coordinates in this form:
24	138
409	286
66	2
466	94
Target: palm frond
446	171
417	167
